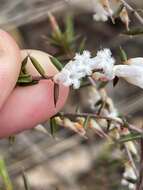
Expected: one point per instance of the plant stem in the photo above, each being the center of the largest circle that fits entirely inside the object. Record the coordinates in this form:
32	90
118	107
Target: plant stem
131	160
96	116
38	78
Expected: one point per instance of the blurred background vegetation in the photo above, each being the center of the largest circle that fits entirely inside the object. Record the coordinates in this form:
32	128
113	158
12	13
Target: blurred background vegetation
68	162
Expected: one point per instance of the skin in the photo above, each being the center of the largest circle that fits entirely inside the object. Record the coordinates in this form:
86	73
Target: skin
23	108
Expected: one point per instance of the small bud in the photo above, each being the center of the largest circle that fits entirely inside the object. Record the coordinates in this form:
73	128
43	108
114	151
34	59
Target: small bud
74	126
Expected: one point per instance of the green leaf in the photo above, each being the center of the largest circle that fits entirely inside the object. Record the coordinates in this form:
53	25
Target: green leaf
24	78
115	81
69	28
56	63
25	181
85	125
134	31
5	176
131	180
56	31
53	126
28	83
23	65
56	93
130	137
123	55
82	46
37	66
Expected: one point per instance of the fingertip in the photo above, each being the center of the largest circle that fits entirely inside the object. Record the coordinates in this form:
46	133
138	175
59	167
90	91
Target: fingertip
10	59
28	107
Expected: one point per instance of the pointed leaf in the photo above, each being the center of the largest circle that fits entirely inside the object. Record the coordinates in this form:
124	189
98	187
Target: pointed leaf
37	66
23	65
5	176
53	126
56	63
115	81
69	28
130	137
134	31
55	27
24	79
123	55
82	45
56	93
25	181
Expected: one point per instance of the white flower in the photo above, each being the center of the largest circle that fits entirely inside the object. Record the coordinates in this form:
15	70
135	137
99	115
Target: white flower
126	183
128	174
132	72
104	61
102	10
83	65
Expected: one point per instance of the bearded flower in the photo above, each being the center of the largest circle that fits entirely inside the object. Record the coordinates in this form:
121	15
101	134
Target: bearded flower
105	62
84	65
132	71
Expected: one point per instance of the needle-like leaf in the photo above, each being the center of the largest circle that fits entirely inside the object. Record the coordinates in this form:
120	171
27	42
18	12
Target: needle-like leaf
56	63
37	66
56	93
25	181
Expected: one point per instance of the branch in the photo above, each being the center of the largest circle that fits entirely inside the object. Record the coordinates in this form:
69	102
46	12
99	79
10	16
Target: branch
140	182
137	15
131	159
96	116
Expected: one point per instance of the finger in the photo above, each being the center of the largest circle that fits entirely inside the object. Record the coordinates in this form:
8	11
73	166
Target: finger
29	106
9	65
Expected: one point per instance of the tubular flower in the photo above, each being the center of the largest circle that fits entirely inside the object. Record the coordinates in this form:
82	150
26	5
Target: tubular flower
128	174
132	71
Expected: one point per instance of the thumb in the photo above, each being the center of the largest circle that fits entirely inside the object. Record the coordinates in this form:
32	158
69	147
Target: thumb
28	106
9	65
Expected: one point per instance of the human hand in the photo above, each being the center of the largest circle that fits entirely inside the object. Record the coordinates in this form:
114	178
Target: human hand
24	107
